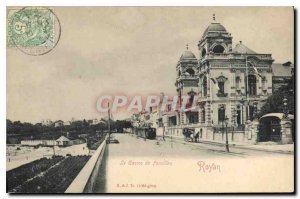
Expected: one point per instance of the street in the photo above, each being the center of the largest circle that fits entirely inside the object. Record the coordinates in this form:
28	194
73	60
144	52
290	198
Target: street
138	165
132	146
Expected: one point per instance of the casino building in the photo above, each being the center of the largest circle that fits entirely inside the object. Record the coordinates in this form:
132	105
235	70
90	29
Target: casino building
227	85
228	81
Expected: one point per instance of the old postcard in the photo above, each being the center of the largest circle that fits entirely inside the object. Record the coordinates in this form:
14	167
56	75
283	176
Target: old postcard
150	100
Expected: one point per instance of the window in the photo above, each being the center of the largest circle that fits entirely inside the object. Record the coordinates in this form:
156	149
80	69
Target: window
264	81
237	82
251	84
203	115
193	118
218	49
172	121
190	71
205	86
160	123
221	84
238	117
179	73
221	87
203	52
221	114
251	112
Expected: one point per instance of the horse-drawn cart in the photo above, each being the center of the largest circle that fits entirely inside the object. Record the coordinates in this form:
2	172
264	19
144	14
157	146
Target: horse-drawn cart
188	134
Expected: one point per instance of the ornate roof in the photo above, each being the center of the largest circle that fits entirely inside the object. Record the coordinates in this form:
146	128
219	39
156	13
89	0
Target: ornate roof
242	49
187	55
214	27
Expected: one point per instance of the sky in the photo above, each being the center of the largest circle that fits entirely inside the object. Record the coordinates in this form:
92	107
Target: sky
128	51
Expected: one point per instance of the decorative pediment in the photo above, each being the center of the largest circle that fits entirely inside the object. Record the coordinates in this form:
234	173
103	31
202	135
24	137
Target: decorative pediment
221	78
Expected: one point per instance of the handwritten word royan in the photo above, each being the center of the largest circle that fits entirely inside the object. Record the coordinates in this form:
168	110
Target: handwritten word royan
204	167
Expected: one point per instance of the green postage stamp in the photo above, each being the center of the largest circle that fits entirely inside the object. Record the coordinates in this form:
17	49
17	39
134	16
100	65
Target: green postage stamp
32	29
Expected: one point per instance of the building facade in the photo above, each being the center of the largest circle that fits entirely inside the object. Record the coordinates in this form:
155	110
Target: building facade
227	81
224	88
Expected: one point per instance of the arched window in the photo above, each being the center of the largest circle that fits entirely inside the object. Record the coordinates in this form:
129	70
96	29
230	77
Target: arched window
221	114
203	53
221	87
218	49
221	84
204	86
252	84
190	71
203	115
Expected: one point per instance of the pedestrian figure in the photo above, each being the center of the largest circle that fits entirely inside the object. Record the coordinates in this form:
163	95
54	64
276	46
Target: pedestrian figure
197	137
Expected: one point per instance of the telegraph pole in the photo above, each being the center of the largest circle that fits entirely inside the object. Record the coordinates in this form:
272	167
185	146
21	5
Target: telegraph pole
247	90
226	142
108	111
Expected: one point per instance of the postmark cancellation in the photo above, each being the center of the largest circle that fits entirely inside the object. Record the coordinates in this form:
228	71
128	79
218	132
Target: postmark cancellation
33	30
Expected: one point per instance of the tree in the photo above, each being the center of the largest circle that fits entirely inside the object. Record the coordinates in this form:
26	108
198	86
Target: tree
274	103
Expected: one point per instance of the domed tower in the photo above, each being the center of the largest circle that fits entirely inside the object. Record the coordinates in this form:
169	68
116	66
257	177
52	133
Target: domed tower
214	72
187	84
215	39
187	73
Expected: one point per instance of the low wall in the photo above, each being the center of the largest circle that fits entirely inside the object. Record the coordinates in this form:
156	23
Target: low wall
38	142
235	136
85	180
208	134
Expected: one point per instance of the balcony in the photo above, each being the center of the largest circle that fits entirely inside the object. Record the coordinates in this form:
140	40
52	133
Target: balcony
221	94
182	77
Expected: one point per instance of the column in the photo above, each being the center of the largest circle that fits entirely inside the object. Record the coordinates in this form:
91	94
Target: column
208	113
286	131
199	115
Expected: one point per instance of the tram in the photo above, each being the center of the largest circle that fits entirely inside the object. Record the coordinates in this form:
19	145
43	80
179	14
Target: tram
145	132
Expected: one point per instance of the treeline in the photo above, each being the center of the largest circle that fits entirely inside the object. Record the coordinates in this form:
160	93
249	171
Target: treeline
274	103
79	126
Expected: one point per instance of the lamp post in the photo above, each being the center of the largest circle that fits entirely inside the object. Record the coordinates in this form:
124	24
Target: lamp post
226	143
163	96
234	123
285	108
255	109
179	89
242	101
108	122
223	118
